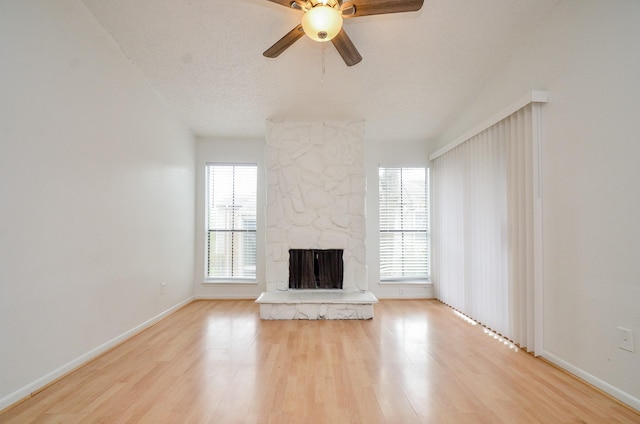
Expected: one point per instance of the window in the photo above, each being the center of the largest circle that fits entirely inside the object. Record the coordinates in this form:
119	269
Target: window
404	224
231	221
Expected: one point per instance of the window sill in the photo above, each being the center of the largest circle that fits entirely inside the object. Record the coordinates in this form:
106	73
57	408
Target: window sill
230	282
406	282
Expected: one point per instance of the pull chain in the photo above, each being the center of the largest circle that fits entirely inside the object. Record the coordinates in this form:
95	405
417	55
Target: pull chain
323	62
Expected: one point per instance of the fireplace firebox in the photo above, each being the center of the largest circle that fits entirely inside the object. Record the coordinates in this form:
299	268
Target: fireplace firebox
315	269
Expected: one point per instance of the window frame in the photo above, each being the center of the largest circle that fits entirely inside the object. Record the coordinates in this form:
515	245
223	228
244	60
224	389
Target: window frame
399	279
207	228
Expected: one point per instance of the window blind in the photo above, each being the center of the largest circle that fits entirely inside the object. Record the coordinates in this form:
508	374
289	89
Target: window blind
231	221
404	223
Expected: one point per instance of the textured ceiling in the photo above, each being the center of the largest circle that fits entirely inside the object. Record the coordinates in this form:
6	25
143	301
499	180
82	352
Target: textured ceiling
205	58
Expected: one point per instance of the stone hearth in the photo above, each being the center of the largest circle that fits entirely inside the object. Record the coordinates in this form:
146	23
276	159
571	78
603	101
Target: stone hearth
316	304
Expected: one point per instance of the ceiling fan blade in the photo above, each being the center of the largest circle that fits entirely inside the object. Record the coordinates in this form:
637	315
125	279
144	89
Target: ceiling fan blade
357	8
296	4
345	47
284	43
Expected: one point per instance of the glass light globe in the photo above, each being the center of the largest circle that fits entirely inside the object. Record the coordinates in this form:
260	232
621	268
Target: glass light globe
322	23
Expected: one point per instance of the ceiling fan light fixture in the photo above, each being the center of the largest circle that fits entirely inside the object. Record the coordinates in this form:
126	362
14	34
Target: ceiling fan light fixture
322	22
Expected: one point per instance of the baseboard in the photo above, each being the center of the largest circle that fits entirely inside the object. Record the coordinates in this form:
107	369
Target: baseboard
397	291
44	381
613	391
227	297
406	296
381	291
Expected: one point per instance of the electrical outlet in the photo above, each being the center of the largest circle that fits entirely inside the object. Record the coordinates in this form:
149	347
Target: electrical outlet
625	339
162	286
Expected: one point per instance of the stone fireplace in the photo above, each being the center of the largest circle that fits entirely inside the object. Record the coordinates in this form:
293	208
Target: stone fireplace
315	196
315	201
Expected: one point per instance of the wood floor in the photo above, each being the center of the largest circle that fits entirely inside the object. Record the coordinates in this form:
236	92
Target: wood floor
415	362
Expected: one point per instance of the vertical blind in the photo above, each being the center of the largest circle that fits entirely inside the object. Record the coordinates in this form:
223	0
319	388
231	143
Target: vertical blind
483	227
404	223
231	221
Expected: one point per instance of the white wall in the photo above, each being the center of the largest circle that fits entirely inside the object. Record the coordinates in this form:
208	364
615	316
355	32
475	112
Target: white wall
230	151
96	195
586	55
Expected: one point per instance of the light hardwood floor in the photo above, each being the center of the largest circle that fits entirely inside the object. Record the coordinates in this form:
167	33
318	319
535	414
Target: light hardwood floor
415	362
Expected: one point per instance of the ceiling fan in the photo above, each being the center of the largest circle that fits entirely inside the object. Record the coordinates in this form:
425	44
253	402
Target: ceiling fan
322	21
